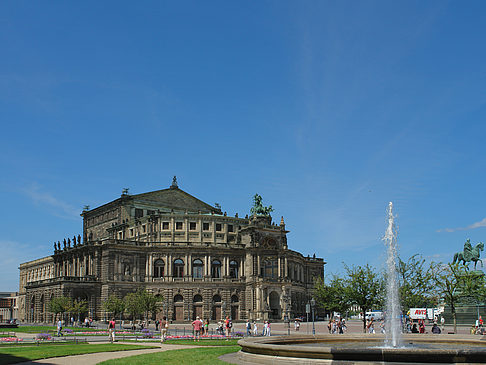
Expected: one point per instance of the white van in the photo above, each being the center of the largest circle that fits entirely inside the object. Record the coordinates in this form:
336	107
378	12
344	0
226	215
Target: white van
376	315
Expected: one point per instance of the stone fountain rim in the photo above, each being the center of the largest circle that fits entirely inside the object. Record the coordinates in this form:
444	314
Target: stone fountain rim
276	346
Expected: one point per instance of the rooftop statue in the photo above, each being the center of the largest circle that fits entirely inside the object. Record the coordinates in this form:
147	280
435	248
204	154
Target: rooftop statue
469	254
258	208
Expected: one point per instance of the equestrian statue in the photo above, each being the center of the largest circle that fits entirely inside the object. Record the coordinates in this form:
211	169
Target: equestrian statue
469	254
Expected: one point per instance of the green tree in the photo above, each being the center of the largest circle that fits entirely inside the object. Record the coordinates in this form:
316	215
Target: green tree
149	302
114	305
60	305
456	284
79	306
332	297
133	305
417	282
365	288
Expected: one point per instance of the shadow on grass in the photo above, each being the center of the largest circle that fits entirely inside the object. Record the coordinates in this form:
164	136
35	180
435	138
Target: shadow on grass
11	359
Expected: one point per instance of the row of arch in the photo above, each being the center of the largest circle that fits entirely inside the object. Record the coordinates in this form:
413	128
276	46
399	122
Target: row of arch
199	299
217	308
197	268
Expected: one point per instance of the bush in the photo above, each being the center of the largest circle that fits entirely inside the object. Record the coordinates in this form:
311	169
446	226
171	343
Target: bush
43	336
146	333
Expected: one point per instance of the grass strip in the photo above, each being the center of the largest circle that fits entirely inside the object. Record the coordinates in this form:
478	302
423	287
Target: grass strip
16	354
199	356
203	342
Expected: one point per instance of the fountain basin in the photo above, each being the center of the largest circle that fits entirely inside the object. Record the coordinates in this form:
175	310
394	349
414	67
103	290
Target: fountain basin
363	348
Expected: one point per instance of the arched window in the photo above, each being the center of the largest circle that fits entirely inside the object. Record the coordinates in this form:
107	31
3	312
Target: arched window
197	269
233	269
178	271
217	298
197	298
178	298
159	268
216	269
234	299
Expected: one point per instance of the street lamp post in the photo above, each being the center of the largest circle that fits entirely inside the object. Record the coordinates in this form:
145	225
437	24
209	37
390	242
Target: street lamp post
313	303
224	310
307	311
287	312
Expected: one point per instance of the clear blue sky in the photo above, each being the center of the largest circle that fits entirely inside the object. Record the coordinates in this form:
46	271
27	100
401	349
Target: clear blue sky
328	109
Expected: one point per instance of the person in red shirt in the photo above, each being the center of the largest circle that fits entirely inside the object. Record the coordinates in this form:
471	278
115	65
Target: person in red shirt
227	326
197	326
111	328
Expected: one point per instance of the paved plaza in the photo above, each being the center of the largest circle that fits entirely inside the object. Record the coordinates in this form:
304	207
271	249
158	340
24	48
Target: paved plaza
354	326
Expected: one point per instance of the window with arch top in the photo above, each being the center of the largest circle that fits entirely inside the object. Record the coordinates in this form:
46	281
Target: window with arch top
233	269
197	269
159	268
178	271
216	269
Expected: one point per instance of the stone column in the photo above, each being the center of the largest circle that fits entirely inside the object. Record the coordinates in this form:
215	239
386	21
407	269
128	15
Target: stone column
209	265
169	265
286	271
189	265
258	265
241	271
279	270
258	299
186	266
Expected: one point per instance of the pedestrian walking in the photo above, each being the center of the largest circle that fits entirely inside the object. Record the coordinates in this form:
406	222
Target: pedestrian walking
206	327
59	328
248	327
227	327
255	329
164	328
265	326
111	330
197	325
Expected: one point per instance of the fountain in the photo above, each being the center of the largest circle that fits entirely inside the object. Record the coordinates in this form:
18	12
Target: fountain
366	348
393	324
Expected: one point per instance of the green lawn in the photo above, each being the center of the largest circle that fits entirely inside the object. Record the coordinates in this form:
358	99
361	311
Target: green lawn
14	354
203	342
197	356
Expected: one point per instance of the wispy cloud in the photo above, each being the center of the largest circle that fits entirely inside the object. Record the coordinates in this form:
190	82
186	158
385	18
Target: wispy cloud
481	223
13	254
40	197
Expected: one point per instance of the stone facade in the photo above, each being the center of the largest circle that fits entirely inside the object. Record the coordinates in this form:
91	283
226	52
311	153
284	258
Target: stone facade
199	260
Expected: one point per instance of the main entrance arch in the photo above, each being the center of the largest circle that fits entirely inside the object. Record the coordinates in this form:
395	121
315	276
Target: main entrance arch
275	310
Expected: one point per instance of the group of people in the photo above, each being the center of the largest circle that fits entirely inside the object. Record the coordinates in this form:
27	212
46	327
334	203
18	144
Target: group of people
336	325
477	328
202	328
421	327
87	322
252	328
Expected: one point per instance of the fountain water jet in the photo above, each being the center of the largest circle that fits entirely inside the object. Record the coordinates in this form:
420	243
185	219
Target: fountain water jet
393	319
